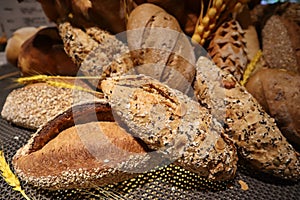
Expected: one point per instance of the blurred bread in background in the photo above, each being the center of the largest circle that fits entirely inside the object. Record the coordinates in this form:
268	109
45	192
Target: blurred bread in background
43	53
14	43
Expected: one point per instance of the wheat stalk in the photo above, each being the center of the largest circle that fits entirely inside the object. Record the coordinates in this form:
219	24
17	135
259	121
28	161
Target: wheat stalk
44	78
251	67
128	6
70	86
9	177
54	81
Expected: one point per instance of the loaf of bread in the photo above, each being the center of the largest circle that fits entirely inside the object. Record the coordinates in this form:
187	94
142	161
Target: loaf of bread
255	133
278	92
15	42
97	52
172	124
106	14
281	43
80	148
35	104
159	48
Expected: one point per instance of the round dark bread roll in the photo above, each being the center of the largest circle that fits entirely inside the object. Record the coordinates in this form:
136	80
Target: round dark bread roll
43	53
278	91
93	153
14	43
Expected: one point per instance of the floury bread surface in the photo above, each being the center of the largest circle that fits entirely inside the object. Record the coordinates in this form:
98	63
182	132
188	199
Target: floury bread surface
259	140
98	53
172	124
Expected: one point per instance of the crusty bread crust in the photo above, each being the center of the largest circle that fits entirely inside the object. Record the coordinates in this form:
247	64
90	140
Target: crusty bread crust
61	155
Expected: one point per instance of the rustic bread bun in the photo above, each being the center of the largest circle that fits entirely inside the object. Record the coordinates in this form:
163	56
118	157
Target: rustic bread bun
35	104
278	91
15	42
90	154
169	60
43	53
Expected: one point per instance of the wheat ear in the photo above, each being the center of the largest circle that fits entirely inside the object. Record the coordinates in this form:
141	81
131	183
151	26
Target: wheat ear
207	23
251	67
9	177
216	12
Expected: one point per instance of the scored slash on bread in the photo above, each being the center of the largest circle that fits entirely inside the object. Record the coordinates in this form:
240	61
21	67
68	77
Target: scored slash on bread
173	124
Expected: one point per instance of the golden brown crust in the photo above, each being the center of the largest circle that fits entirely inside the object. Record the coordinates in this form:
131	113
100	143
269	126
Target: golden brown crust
67	151
89	154
43	53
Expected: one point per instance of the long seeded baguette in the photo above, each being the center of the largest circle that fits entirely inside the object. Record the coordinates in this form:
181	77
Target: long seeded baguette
259	140
74	150
172	124
97	52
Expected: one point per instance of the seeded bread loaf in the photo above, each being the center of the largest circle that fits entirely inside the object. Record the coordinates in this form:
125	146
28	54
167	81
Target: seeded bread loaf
255	133
35	104
172	124
74	150
97	52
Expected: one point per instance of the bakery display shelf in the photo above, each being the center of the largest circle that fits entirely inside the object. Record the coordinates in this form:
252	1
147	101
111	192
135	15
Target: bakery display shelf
169	182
